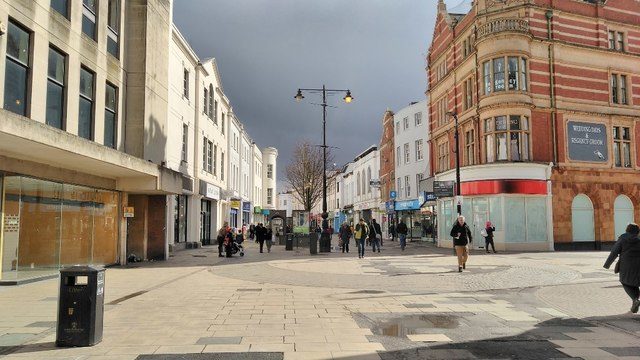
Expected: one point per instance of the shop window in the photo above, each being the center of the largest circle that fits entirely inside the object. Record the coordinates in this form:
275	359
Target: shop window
61	6
622	146
113	28
582	220
110	116
85	115
16	82
89	18
497	77
507	138
56	81
622	214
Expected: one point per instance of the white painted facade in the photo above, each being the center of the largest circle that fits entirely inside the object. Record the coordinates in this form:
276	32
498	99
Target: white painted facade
366	199
411	135
269	177
256	186
288	202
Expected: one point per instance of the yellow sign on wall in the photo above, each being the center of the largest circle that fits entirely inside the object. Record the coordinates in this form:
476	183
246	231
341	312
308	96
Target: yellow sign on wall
235	204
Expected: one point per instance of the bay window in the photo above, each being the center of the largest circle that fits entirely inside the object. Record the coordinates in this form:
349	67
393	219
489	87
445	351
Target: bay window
505	74
507	138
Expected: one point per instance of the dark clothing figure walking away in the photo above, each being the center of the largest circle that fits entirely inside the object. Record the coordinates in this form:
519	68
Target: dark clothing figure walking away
488	239
362	231
261	235
628	248
402	231
375	235
269	239
345	236
392	231
461	237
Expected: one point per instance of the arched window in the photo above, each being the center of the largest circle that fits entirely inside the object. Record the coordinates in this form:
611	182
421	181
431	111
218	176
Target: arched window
622	214
582	219
369	178
358	185
364	180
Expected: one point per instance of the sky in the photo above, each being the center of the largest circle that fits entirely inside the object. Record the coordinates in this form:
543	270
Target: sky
267	49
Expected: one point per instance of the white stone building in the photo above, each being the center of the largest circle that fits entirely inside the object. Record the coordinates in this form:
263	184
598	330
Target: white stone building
366	199
269	177
411	135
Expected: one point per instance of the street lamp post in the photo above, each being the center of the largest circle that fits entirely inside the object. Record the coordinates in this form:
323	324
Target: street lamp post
457	135
325	239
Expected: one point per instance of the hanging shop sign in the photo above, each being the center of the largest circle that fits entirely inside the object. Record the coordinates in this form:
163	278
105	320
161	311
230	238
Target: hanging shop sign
443	189
235	204
257	210
246	206
128	211
587	141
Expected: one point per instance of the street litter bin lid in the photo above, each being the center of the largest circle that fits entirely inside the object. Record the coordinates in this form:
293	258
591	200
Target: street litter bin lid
81	269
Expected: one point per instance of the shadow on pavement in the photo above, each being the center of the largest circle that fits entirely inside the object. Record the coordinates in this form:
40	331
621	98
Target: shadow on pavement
530	345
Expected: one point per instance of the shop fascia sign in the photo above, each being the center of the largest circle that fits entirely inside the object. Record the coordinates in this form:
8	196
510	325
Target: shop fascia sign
587	141
209	190
408	205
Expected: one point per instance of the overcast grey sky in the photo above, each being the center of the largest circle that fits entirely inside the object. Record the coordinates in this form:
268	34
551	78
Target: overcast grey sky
267	49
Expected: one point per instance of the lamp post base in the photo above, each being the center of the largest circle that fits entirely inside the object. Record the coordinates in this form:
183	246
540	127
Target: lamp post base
325	236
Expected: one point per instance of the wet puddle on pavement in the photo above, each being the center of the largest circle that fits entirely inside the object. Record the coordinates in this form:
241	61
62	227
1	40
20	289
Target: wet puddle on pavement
416	324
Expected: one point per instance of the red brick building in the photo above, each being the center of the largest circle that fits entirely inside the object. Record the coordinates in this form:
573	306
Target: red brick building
387	161
547	93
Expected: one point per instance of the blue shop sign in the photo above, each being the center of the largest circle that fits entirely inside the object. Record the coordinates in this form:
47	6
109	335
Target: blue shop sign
265	212
390	206
246	206
408	205
393	194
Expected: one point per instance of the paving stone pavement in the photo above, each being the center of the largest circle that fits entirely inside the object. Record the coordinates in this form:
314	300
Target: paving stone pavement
291	305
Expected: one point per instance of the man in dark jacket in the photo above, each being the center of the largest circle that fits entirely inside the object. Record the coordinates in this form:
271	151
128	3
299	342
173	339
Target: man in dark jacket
628	248
345	236
375	234
461	237
402	230
261	235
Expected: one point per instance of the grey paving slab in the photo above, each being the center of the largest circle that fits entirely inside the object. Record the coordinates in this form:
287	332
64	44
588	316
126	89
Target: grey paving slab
219	340
623	351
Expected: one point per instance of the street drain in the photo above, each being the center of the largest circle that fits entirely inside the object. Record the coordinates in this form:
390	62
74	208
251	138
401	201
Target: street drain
410	325
248	289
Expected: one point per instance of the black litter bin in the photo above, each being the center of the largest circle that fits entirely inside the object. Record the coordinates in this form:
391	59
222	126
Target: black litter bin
313	243
289	243
80	306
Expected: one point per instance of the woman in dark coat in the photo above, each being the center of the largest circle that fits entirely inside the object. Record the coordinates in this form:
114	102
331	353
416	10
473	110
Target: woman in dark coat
345	236
628	248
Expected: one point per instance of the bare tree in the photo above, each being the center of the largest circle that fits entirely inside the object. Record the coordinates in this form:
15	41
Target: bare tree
304	173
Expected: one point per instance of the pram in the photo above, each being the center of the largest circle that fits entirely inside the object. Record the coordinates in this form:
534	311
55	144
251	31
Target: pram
234	248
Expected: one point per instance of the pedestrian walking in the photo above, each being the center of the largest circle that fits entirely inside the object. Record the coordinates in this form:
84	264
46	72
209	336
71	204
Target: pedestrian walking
392	231
461	238
222	234
261	234
375	234
345	234
269	238
362	231
252	231
487	233
228	241
402	231
628	266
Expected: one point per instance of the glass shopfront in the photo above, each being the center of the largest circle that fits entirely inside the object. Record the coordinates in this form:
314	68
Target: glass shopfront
47	225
